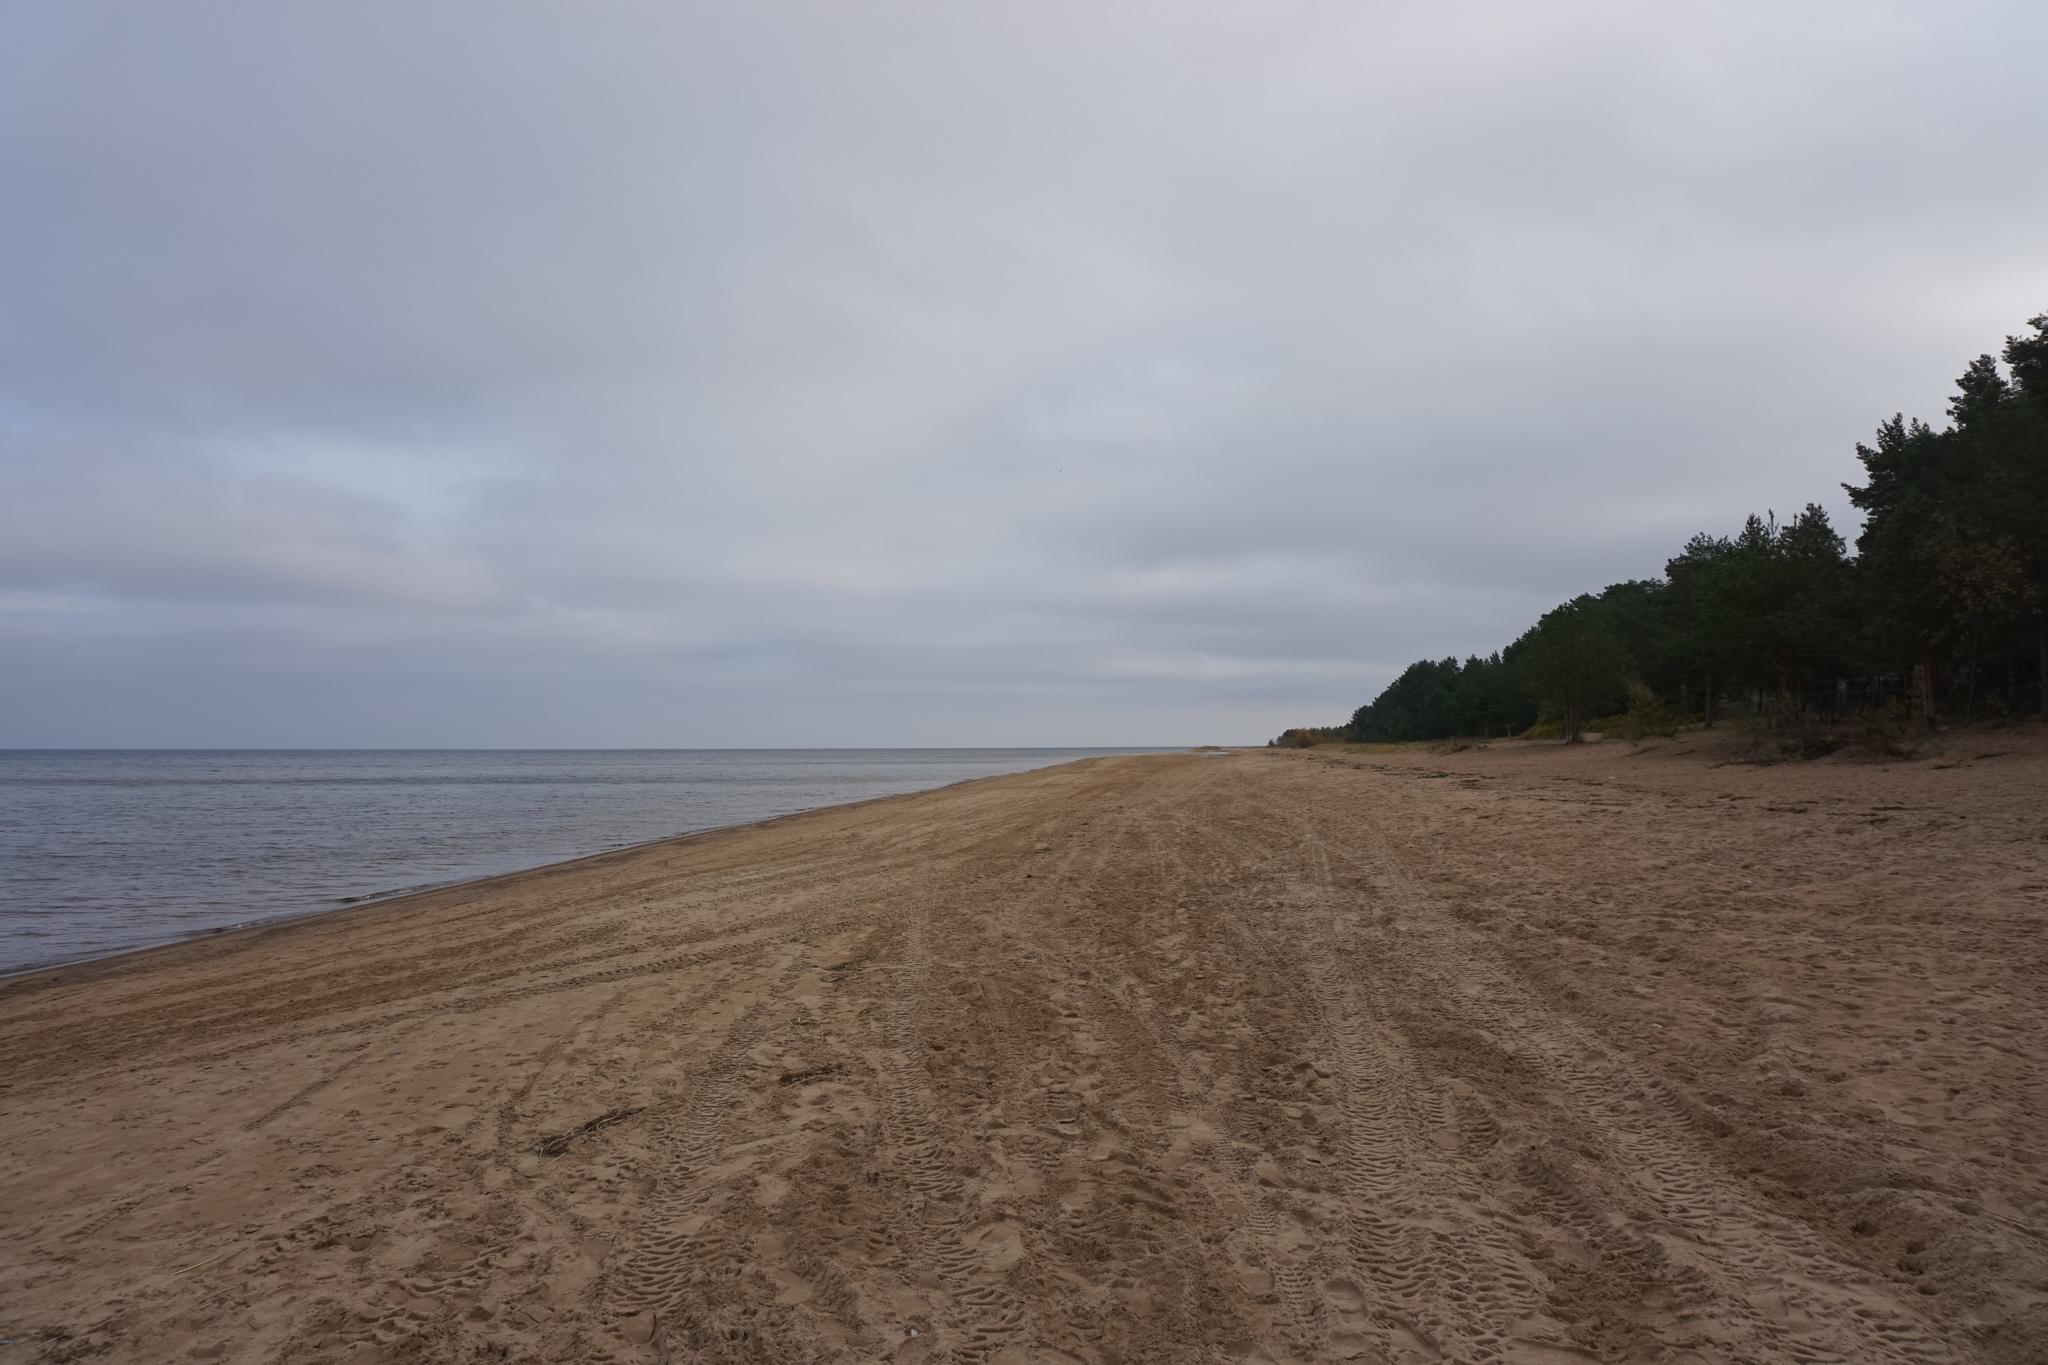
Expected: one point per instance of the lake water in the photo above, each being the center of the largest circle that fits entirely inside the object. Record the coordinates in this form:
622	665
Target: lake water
107	850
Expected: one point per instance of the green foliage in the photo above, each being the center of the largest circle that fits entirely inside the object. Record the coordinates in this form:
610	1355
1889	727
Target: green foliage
1437	700
1946	595
1769	608
1953	560
1572	662
1648	714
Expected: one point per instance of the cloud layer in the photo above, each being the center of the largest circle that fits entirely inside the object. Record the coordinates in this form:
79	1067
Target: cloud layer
658	374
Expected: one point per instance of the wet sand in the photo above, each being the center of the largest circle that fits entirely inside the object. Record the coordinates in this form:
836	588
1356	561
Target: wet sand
1516	1054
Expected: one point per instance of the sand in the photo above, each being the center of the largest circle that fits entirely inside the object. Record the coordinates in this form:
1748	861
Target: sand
1515	1054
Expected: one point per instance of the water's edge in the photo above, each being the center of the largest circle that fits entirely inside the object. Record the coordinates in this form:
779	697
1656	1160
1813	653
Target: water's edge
395	900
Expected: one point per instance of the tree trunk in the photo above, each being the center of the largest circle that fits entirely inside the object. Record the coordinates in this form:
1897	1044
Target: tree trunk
2044	670
1789	709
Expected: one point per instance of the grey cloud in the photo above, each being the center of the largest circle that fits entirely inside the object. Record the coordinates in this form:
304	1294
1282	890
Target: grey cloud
676	374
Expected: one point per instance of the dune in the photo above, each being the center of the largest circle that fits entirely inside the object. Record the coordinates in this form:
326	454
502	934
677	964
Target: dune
1516	1054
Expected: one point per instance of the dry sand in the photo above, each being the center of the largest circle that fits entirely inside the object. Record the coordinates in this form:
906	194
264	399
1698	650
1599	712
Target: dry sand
1521	1054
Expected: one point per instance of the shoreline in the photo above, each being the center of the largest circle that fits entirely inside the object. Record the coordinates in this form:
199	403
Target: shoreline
1133	1056
228	933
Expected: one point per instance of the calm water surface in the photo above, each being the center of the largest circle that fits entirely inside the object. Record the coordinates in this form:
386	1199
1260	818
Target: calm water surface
106	850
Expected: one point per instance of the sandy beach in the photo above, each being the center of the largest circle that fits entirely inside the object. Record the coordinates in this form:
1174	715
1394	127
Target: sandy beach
1517	1054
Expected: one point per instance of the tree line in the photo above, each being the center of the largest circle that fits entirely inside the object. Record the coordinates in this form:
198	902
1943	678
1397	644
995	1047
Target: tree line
1942	610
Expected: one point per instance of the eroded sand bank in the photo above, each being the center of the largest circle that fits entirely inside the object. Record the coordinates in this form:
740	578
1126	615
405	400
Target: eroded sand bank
1517	1054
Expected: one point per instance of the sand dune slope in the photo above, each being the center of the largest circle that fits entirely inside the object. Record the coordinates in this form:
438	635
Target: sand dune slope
1518	1055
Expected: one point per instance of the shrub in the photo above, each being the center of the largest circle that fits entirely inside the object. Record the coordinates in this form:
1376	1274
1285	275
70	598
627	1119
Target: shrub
1307	737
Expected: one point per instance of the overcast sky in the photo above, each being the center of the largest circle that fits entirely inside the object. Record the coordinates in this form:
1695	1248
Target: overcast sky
603	373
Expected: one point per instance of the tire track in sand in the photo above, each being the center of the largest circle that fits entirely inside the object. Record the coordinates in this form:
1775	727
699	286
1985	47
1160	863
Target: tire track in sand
1718	1248
1704	1238
668	1253
933	1225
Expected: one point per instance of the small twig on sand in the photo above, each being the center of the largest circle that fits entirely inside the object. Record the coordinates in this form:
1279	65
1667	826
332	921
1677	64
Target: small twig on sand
559	1143
221	1255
